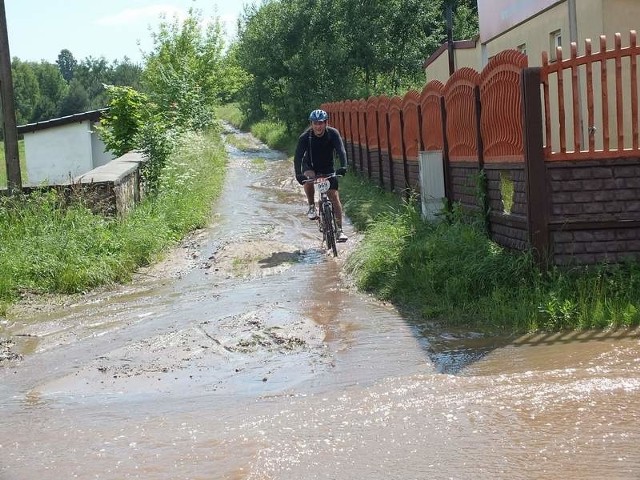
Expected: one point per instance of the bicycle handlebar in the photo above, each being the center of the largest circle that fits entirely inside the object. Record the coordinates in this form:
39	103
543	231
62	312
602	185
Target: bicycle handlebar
321	177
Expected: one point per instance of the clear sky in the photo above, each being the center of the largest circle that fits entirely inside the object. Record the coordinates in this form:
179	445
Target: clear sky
40	29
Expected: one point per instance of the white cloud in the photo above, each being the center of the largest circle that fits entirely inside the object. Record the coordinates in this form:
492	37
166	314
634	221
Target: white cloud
135	15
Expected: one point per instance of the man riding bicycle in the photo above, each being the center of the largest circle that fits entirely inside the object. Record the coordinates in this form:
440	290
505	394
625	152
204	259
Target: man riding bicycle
314	156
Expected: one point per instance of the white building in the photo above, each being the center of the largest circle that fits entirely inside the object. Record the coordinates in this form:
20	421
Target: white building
61	149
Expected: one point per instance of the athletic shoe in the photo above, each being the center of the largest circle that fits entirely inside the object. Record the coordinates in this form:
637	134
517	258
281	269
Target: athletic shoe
311	214
341	237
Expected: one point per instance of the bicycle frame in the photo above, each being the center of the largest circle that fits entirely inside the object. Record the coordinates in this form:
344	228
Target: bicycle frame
326	217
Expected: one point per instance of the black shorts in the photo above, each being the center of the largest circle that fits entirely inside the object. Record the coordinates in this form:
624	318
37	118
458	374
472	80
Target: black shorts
333	182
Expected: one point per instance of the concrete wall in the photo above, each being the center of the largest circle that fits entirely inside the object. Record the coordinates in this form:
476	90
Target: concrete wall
534	34
99	155
60	149
465	54
593	18
57	155
114	188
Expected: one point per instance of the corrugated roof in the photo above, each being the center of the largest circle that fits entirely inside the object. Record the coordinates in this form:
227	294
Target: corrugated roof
93	115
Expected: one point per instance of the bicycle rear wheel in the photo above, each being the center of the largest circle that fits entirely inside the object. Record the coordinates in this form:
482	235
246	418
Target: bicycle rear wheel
329	227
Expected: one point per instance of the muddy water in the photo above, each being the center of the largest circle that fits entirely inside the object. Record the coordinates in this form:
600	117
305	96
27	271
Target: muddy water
247	355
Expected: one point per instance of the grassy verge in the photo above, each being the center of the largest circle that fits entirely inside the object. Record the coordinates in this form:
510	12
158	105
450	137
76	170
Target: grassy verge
232	114
45	248
273	134
450	272
3	164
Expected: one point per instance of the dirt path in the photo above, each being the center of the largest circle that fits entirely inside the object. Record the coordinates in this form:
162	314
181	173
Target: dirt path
239	249
246	354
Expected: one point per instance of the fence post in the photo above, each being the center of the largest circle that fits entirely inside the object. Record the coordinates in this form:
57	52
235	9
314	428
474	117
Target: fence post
448	187
366	136
405	173
535	168
390	160
482	181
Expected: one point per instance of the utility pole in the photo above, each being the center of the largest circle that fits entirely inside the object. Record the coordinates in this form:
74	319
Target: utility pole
10	129
449	23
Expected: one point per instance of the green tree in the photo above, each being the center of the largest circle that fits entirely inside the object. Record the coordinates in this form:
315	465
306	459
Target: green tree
415	27
465	22
26	91
121	125
53	89
93	73
126	73
67	64
133	122
300	53
75	101
235	79
184	72
271	48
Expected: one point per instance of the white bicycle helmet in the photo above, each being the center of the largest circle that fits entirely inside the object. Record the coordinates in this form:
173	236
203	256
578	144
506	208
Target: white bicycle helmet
318	116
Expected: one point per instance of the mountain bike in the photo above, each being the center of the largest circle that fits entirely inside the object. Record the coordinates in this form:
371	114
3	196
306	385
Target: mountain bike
326	217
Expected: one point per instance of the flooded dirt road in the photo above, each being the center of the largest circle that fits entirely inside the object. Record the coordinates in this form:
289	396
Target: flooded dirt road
247	355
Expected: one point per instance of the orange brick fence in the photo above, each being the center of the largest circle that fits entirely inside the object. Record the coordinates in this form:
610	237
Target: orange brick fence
503	131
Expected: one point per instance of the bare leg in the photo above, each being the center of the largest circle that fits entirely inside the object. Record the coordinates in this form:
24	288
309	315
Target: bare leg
334	196
309	192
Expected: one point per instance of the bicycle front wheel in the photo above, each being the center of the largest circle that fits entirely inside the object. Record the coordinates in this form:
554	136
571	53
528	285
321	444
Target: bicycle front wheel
330	227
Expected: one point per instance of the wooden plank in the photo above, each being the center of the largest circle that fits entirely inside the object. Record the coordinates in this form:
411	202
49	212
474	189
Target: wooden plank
604	95
561	112
619	93
590	104
634	89
544	79
575	92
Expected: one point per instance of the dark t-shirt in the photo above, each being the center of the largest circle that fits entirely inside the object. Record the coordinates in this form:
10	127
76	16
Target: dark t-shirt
316	153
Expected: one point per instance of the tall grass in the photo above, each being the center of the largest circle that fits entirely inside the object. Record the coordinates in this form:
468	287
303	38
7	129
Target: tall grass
3	164
275	135
449	271
231	113
46	247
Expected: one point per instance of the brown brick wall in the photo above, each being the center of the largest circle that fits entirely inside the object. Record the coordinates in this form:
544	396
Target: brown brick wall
590	190
374	157
413	167
464	180
510	232
508	229
386	169
595	210
515	172
589	246
399	184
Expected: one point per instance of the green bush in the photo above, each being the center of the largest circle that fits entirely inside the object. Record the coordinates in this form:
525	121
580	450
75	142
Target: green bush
50	246
449	271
